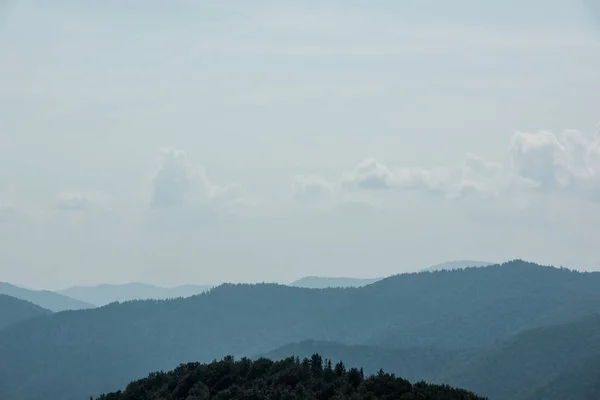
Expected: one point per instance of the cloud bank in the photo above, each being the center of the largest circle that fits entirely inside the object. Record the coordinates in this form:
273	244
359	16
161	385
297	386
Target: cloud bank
537	161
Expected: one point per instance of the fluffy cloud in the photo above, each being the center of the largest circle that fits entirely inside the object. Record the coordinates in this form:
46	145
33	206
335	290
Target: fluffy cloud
569	161
370	174
179	184
537	161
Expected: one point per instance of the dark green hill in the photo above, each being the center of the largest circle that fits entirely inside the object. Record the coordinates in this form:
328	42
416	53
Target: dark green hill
44	298
414	364
13	311
73	355
287	379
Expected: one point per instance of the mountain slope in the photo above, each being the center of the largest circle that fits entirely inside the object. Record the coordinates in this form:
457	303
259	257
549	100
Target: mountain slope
286	379
320	282
478	306
13	311
579	383
521	366
105	294
71	353
44	298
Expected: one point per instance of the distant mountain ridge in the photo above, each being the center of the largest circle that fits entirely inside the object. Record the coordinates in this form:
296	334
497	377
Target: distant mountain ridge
104	294
44	298
458	264
323	282
320	282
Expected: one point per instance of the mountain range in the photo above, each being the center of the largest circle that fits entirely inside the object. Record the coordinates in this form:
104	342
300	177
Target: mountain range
44	298
528	325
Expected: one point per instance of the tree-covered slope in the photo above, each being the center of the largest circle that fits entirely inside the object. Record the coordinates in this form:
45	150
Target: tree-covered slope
13	311
44	298
548	357
579	383
287	379
472	307
449	310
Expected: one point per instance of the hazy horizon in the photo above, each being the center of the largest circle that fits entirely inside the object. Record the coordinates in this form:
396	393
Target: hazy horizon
207	142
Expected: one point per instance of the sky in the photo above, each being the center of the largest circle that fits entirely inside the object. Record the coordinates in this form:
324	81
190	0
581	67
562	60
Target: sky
205	141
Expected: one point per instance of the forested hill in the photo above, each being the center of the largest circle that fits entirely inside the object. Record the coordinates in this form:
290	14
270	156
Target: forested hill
288	379
13	311
451	310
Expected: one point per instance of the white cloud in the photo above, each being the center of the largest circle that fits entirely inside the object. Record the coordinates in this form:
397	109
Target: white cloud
537	161
370	174
449	181
179	184
569	161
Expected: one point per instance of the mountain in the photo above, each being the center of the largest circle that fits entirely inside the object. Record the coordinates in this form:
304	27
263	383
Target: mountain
13	311
581	382
415	364
44	298
73	355
318	282
536	363
460	264
105	294
291	378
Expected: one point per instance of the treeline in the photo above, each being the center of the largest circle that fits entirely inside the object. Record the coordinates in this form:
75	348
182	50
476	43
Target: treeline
288	379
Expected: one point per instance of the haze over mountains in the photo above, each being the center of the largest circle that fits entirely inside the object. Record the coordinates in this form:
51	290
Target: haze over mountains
81	297
452	326
104	294
44	298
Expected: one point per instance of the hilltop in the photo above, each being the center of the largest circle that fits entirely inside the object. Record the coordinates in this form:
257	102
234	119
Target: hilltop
291	378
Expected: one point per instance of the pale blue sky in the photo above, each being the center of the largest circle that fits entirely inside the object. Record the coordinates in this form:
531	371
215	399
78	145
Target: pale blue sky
204	141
